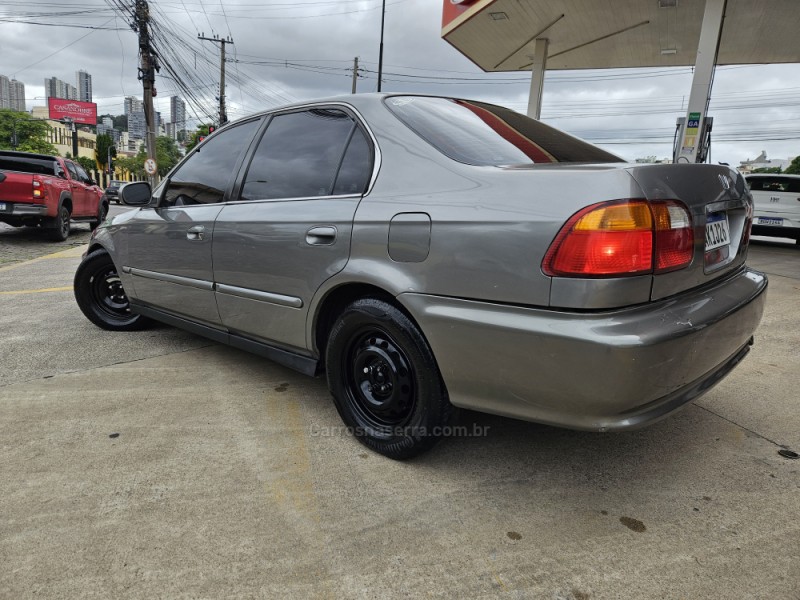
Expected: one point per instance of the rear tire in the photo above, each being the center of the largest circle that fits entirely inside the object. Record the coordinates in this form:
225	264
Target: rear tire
102	211
384	380
59	230
100	296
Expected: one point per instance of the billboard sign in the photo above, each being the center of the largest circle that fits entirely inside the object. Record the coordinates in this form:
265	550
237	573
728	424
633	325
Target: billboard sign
80	112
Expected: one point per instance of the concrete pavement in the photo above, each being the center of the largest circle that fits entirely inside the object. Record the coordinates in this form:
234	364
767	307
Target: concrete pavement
157	464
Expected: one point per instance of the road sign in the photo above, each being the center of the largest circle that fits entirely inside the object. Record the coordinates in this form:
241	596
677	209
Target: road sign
150	166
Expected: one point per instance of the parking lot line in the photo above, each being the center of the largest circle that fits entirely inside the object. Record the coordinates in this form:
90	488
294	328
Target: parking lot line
53	289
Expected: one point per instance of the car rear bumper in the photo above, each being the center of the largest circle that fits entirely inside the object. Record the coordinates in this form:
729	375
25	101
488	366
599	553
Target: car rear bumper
598	371
784	231
18	212
23	209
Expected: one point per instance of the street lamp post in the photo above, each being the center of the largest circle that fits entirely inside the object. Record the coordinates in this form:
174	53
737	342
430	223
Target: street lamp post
380	51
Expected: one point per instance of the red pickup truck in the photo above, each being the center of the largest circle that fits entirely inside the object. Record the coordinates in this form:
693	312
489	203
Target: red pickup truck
48	191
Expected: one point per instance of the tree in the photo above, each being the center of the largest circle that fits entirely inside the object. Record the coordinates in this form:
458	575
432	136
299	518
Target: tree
767	170
794	167
87	163
131	164
167	154
104	143
20	131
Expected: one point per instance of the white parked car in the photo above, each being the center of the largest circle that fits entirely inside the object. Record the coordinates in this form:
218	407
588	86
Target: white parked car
776	204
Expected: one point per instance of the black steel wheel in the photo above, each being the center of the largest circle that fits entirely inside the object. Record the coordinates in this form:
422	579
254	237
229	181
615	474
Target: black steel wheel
101	297
59	230
384	380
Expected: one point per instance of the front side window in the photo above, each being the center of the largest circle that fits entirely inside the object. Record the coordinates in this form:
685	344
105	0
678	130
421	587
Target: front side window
205	175
487	135
82	175
299	155
73	172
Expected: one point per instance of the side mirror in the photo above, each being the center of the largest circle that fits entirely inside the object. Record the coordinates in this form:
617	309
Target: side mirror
136	194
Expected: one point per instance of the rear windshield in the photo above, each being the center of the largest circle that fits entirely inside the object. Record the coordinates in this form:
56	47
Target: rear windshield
774	184
27	164
484	134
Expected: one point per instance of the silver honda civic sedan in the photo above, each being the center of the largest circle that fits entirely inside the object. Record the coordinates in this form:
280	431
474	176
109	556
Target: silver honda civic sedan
428	253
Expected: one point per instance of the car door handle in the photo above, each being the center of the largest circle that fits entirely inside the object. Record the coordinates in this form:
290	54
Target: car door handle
321	236
195	233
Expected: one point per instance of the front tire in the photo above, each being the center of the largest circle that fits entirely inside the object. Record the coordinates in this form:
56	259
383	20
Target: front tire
100	296
61	224
384	380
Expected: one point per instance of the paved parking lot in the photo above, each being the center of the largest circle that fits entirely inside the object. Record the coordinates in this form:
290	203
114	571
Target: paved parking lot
158	464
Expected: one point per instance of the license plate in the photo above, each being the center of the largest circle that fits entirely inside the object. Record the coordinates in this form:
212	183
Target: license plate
718	232
769	221
2	206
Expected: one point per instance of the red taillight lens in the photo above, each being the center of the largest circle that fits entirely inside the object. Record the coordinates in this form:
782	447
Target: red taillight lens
630	237
674	236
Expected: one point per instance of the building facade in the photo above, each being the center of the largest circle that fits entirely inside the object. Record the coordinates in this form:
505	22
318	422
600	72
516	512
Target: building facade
17	95
12	94
136	125
55	88
83	82
133	105
177	114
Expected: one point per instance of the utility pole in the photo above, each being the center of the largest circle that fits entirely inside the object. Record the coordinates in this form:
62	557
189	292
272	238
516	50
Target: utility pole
223	116
73	129
380	53
147	74
355	74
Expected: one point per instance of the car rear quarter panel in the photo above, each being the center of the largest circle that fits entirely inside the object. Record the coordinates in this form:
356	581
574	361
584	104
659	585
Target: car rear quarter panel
489	227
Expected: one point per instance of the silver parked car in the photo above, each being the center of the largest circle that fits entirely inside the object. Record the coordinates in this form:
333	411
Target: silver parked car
427	253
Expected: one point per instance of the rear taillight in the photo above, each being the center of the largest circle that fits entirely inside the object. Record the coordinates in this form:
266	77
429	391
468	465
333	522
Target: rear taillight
674	236
38	189
630	237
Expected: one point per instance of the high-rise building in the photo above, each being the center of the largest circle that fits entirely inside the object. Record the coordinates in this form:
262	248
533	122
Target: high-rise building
136	125
55	88
12	94
17	89
5	92
177	113
133	105
109	131
83	82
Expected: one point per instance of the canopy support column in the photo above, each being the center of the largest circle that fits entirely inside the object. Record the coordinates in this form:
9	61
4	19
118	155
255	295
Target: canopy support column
692	146
537	78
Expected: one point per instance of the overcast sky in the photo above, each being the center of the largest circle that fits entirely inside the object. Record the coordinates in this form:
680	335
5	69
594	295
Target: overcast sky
287	51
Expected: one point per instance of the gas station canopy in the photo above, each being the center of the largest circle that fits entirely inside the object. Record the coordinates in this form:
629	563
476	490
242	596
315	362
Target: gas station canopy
499	35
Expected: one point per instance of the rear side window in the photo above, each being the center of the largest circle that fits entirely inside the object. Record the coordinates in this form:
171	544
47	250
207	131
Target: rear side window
774	184
356	169
483	134
24	164
299	155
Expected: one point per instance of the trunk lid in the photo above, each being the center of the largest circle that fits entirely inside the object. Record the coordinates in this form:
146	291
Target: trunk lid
720	205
